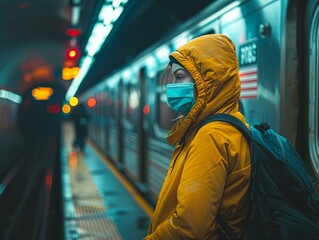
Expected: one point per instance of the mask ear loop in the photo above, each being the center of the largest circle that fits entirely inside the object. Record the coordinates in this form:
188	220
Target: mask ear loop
175	119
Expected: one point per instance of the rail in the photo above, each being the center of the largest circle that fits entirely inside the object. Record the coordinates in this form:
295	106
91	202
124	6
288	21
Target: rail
30	201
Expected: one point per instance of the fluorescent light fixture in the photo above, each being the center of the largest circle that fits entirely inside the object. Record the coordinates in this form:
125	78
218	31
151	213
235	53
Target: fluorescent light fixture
151	67
117	12
97	38
87	62
75	15
233	14
162	53
116	3
181	40
107	16
221	12
10	96
112	82
150	61
127	74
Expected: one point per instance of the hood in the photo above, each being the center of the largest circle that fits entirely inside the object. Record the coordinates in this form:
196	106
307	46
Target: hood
212	62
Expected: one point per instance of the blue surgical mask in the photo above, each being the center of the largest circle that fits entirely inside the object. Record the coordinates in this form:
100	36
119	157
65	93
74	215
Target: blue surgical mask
180	97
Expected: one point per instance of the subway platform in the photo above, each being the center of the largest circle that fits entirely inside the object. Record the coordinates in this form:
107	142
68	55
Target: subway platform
99	203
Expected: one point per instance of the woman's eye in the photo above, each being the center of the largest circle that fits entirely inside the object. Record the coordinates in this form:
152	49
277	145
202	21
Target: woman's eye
180	77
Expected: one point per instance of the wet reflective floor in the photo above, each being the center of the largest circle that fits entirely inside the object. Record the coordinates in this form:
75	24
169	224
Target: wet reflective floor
99	203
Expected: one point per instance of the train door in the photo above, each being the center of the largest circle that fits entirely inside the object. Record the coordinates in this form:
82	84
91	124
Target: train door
254	27
161	120
131	123
108	116
142	127
115	125
134	123
95	109
103	119
119	123
308	134
99	109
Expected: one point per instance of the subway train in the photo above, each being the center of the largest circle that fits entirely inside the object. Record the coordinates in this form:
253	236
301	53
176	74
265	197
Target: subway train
277	44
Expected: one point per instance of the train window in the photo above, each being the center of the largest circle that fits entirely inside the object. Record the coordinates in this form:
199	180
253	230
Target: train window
131	102
110	102
126	102
165	115
118	98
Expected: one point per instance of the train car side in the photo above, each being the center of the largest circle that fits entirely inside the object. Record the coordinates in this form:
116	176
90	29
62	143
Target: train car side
279	77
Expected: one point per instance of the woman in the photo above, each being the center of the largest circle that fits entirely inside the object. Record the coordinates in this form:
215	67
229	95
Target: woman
210	170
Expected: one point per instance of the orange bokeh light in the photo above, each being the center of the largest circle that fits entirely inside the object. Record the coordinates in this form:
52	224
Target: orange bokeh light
91	102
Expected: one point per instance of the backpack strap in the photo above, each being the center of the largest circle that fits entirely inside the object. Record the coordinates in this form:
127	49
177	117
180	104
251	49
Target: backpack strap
224	117
240	126
226	233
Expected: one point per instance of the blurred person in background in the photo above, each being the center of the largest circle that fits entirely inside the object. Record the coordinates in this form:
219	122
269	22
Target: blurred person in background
80	117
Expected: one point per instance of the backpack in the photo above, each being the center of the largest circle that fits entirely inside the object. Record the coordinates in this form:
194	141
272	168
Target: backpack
284	202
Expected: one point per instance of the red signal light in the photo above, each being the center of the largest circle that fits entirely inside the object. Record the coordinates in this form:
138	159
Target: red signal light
74	32
72	53
54	108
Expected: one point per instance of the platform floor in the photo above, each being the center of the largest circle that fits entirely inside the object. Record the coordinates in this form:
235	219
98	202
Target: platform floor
99	203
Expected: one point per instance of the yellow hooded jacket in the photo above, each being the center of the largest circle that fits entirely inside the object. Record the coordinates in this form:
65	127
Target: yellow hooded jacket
210	170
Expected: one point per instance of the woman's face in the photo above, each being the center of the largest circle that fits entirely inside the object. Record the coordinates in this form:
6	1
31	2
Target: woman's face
181	75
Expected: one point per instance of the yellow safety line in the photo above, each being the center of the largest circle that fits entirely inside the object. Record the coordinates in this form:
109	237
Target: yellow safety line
134	193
